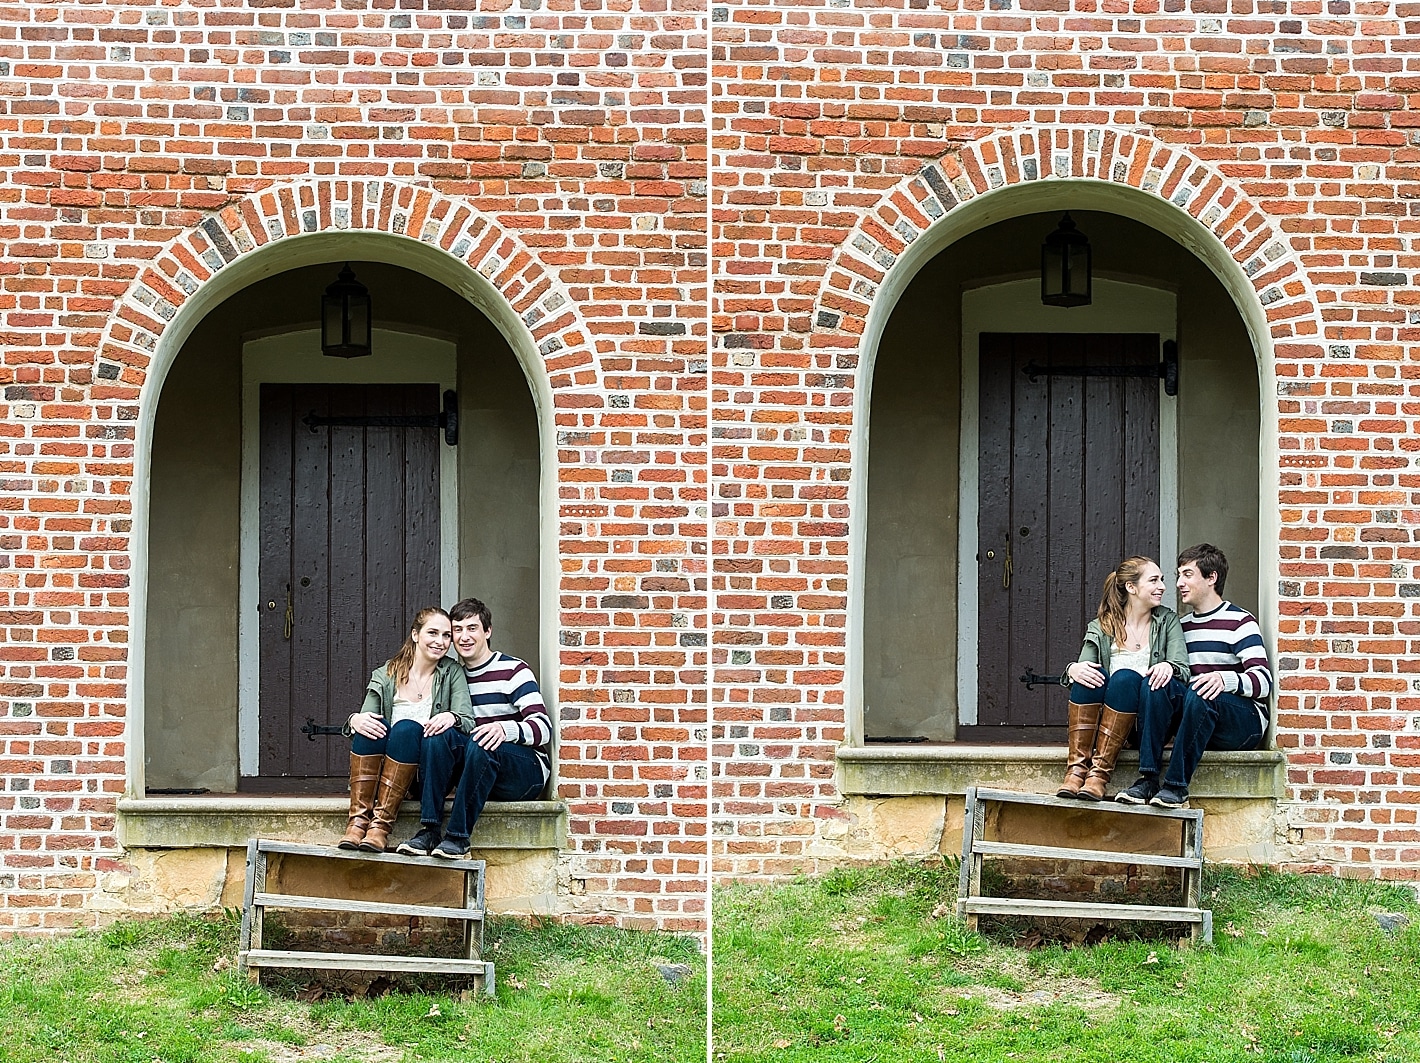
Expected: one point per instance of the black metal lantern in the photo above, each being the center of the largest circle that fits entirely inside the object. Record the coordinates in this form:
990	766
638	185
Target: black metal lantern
1065	267
345	318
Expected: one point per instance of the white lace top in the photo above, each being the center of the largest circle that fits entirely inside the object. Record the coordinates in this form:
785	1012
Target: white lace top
412	710
1138	660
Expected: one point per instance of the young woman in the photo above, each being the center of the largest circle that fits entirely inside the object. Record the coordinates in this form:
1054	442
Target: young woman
1135	646
417	693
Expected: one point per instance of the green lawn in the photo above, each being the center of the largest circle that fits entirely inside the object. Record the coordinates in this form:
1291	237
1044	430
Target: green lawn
870	964
165	990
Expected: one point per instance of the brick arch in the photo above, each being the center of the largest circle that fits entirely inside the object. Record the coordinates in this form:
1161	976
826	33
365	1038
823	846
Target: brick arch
907	212
341	206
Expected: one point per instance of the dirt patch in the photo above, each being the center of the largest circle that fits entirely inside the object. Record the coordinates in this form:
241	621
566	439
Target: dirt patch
1038	990
348	1046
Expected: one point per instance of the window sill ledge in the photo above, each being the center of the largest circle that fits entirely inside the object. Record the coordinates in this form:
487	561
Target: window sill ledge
230	820
948	769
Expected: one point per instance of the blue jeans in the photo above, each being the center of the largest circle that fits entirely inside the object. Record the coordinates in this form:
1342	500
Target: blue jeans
509	773
1228	722
401	742
1124	691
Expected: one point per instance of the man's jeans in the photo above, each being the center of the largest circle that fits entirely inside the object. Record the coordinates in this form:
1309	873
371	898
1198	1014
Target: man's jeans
509	773
1228	722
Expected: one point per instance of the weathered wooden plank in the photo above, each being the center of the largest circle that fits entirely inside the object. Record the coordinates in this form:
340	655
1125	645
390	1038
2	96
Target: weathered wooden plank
1028	598
274	574
421	505
993	518
350	961
339	590
1079	910
1108	807
310	554
268	845
340	904
1104	856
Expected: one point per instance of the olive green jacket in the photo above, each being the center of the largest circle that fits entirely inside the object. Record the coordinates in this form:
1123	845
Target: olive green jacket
1166	643
450	692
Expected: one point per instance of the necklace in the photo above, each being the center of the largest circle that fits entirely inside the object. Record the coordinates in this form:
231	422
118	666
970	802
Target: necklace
421	694
1133	637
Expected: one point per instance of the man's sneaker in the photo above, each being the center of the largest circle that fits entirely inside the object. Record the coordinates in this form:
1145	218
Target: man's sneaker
422	844
1141	793
451	849
1168	797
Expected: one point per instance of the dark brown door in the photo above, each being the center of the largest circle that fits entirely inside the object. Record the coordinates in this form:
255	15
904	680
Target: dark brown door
349	553
1069	486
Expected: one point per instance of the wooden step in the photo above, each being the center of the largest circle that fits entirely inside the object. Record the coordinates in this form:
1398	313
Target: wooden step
1080	910
330	852
353	961
333	904
975	848
251	957
1104	856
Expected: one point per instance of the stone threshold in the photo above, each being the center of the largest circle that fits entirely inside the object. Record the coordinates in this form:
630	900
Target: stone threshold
230	820
949	768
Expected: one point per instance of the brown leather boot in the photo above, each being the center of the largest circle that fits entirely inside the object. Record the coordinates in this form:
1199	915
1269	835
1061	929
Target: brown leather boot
1114	730
394	783
1083	722
364	777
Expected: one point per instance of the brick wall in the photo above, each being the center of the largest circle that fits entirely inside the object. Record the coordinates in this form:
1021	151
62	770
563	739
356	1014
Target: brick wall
843	132
556	147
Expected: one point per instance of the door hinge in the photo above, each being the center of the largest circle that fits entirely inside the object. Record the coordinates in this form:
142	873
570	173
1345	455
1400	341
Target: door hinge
448	420
1167	369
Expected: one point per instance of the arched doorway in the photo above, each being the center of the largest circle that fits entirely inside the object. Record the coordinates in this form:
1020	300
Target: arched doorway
283	562
967	448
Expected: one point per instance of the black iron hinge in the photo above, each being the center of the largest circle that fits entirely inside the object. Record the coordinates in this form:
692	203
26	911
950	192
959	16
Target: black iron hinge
1031	680
448	420
1167	369
312	729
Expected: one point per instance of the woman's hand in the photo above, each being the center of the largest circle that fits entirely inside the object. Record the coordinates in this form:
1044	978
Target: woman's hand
439	723
369	724
1160	675
1087	674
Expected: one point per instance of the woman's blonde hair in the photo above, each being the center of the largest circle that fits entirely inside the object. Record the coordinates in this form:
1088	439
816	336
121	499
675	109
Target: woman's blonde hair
1115	599
399	665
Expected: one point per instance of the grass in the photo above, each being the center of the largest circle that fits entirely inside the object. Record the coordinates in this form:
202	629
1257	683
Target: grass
165	990
870	964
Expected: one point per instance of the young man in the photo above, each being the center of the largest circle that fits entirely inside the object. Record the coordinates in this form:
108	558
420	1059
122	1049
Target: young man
1224	704
504	758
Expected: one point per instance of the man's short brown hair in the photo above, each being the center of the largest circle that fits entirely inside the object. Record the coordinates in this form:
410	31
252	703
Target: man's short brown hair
1209	561
472	607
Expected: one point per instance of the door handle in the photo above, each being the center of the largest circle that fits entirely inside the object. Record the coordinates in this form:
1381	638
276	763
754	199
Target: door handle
290	615
1006	566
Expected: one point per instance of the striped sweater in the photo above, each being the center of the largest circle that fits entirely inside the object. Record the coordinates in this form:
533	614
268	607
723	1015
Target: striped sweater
1228	640
504	691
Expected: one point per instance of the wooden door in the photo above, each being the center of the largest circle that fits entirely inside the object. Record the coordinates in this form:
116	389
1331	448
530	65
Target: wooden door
349	553
1068	487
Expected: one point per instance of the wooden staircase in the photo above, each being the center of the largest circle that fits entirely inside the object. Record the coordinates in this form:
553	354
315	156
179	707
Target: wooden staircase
252	956
975	847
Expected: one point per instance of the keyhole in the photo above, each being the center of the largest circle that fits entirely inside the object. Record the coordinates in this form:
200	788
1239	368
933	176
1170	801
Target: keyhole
1025	532
305	581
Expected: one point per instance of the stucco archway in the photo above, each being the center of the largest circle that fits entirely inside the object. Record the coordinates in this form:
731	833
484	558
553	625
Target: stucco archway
1021	172
288	227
